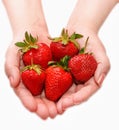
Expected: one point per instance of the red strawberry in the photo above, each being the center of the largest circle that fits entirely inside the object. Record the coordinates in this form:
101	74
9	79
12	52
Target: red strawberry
40	53
33	78
58	81
64	45
82	66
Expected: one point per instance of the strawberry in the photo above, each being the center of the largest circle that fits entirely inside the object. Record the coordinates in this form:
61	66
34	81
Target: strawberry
58	80
64	45
82	66
33	78
40	53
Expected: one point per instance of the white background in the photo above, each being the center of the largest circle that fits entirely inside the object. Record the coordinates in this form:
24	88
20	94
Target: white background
101	111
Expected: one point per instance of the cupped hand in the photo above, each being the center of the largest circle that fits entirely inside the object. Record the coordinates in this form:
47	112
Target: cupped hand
39	104
75	95
80	93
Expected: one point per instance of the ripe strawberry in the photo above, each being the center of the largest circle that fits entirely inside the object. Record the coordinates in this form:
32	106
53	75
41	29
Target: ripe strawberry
82	66
40	53
65	45
33	78
58	80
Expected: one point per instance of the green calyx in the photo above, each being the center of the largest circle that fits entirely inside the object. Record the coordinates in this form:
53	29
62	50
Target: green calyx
65	38
28	43
62	63
34	67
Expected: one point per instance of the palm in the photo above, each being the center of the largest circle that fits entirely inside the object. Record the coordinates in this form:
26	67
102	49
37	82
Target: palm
80	93
40	105
75	95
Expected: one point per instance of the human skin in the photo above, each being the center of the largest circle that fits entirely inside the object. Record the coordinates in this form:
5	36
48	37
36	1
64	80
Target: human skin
86	19
26	15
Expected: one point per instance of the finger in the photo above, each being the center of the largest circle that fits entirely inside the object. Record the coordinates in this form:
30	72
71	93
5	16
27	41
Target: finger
102	59
69	101
66	100
82	94
102	69
59	107
12	66
85	92
26	98
42	109
51	107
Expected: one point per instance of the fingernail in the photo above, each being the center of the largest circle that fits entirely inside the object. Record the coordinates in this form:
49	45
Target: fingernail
101	79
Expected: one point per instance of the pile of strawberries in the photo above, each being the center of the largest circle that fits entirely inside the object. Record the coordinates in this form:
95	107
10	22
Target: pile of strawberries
54	69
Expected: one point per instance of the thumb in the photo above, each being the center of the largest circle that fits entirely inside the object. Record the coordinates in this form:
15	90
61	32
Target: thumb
102	70
12	66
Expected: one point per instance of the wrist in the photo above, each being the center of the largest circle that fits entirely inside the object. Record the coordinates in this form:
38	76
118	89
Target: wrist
89	16
85	31
35	30
33	25
82	29
25	16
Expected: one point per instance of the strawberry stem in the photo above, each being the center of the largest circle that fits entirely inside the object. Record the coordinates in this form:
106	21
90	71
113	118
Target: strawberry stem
86	43
82	51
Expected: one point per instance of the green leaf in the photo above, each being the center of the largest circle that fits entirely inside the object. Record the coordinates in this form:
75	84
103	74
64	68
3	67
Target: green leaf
63	32
20	44
64	62
26	42
57	39
27	38
32	39
82	50
75	36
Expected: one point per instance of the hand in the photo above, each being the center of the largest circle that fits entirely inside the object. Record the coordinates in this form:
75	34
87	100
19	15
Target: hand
39	105
77	94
